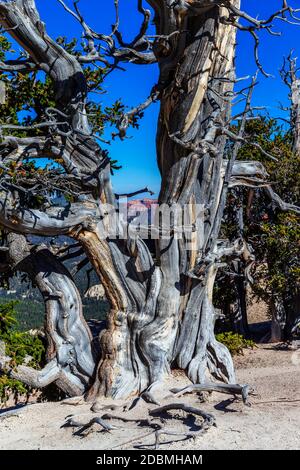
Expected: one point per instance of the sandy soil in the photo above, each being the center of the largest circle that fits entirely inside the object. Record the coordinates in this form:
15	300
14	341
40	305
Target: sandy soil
257	311
272	422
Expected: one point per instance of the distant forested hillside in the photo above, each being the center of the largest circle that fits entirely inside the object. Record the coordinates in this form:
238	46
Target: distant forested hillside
30	313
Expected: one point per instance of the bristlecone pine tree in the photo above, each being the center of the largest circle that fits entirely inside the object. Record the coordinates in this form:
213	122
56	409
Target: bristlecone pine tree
161	313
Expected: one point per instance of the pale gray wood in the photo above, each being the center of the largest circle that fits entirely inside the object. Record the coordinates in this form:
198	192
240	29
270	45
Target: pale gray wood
161	306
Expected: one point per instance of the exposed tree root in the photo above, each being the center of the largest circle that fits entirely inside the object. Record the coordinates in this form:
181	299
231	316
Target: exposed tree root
187	435
159	429
232	389
155	421
209	419
96	408
154	418
72	422
79	400
148	395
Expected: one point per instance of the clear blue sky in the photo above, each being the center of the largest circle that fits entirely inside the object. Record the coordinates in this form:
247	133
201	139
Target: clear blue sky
137	154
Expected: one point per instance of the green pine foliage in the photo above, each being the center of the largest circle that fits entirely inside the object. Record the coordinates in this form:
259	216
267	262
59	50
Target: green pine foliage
274	235
234	342
18	346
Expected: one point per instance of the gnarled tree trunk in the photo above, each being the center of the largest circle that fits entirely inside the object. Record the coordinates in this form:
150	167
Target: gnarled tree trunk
162	312
161	308
70	359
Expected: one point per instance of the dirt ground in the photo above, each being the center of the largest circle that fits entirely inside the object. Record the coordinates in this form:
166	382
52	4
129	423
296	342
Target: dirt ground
272	421
257	311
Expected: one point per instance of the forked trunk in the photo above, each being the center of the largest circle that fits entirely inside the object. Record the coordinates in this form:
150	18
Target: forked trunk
161	312
161	307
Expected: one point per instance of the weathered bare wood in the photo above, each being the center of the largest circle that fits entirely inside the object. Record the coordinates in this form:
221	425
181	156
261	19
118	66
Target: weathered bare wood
85	426
159	429
53	221
70	357
161	307
150	318
233	389
289	74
